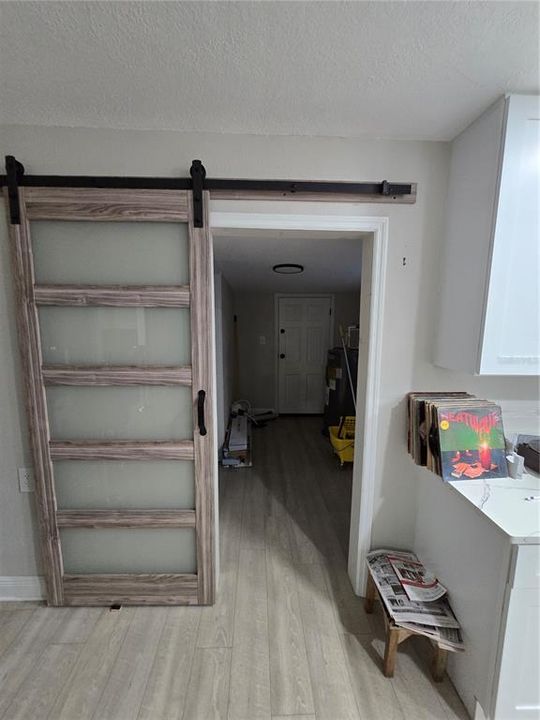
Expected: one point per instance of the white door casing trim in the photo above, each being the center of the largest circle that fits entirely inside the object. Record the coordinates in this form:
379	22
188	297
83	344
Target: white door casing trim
277	297
366	457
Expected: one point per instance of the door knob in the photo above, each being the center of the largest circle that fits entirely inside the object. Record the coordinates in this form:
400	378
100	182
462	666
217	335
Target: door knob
282	355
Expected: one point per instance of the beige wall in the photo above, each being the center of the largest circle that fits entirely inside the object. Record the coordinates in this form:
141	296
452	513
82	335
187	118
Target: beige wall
412	285
256	362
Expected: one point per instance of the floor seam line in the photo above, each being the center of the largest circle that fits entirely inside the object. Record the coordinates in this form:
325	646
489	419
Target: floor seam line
154	660
120	646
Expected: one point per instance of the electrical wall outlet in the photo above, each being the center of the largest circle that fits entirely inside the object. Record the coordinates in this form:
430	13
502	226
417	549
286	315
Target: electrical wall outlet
26	480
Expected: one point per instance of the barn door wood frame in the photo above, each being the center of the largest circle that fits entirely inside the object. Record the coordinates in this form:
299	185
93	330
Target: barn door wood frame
26	204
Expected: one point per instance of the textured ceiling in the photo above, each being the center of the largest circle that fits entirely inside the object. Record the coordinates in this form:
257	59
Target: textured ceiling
387	69
332	261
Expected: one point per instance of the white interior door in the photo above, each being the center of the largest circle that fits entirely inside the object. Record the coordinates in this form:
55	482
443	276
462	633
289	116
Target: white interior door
304	332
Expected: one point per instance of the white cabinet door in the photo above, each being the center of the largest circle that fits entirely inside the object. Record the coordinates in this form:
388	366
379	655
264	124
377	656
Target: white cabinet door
304	339
511	338
518	691
518	696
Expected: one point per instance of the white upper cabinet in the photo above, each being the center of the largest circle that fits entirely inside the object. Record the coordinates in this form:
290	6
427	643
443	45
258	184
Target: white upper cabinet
490	309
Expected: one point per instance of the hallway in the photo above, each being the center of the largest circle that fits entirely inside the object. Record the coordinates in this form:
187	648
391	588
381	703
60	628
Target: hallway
286	639
301	642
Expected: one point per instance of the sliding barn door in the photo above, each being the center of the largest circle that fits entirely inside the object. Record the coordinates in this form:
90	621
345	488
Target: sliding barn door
114	300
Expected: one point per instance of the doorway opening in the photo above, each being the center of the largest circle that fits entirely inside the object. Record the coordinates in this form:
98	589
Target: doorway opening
341	256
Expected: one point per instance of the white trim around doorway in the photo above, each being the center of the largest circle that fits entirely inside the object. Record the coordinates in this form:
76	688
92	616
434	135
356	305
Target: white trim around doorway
236	214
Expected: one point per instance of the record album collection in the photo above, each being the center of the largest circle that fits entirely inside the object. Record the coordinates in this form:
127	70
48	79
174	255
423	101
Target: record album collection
456	435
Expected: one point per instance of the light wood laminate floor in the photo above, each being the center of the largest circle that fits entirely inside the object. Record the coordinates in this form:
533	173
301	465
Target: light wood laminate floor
287	638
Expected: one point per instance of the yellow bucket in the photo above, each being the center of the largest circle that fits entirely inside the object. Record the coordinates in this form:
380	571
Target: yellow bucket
344	445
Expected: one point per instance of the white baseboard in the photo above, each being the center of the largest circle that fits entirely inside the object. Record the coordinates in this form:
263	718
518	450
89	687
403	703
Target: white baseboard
22	587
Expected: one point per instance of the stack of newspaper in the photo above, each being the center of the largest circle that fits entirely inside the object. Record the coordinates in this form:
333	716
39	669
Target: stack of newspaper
413	597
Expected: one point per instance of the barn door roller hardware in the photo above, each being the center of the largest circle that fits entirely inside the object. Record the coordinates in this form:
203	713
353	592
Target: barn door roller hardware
198	182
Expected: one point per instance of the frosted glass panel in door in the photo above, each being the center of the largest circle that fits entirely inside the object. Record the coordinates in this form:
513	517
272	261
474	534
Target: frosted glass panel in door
107	484
120	413
111	335
110	253
128	550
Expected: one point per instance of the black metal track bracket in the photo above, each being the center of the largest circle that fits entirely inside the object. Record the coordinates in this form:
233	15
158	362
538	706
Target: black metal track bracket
198	174
14	172
394	188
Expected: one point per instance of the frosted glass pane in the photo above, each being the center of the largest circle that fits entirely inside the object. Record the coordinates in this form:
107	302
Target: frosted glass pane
120	413
123	485
105	335
110	253
128	550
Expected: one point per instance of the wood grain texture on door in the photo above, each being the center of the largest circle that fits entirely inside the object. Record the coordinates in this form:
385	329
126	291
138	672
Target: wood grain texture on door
202	349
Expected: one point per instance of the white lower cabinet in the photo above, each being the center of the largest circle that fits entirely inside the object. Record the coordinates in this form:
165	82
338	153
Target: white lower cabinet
480	539
517	686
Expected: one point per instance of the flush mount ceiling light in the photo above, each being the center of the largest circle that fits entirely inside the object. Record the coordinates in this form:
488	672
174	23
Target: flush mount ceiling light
288	269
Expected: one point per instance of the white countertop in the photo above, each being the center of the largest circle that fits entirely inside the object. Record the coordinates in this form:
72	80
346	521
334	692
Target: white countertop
503	502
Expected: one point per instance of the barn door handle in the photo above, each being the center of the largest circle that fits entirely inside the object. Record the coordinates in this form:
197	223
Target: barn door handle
200	411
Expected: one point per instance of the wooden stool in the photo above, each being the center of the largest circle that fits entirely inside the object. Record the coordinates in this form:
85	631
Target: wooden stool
396	635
